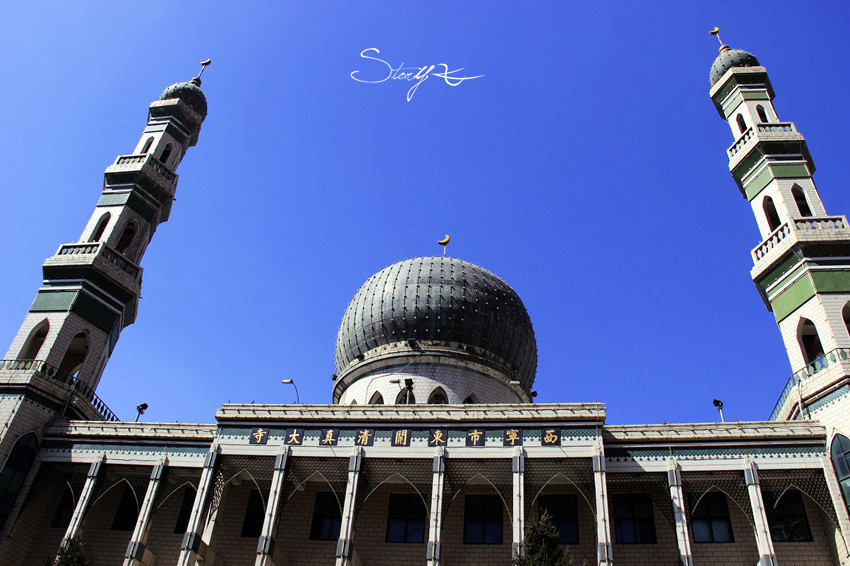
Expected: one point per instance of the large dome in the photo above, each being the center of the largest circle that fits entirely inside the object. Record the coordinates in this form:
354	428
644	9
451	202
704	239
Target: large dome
439	299
729	58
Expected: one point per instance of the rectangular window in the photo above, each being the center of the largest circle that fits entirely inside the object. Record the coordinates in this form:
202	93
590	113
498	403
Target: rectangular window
482	519
327	517
787	517
710	520
406	518
563	509
252	524
633	520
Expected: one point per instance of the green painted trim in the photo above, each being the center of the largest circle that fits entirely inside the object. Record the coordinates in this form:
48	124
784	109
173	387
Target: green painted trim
780	271
732	104
831	281
53	301
792	298
790	276
113	199
774	171
131	200
756	95
95	312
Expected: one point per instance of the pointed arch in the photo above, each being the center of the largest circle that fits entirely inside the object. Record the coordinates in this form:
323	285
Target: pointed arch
438	397
471	399
762	114
810	344
148	144
97	234
15	471
127	237
405	397
840	452
845	316
742	124
800	200
65	509
76	354
377	398
770	213
35	341
166	153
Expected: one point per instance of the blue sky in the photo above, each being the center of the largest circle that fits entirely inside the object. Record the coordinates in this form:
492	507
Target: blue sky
587	167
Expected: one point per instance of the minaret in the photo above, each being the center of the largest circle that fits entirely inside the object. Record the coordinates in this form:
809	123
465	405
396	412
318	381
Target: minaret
802	265
91	288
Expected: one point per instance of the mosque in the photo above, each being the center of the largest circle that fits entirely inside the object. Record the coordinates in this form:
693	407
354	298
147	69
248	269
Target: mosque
433	450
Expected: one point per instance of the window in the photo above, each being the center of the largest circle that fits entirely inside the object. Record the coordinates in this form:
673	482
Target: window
62	516
75	355
710	520
563	509
15	472
845	315
128	511
127	237
406	518
101	226
185	512
809	341
841	462
742	125
633	521
252	525
377	399
405	397
787	517
770	213
471	400
762	115
148	144
327	517
482	519
166	153
800	201
35	341
438	397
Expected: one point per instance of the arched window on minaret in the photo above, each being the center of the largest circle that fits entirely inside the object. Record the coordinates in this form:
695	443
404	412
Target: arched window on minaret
762	114
101	226
841	461
35	341
742	125
148	144
809	341
127	237
405	397
377	399
770	213
845	314
14	472
471	400
166	153
438	397
800	201
75	355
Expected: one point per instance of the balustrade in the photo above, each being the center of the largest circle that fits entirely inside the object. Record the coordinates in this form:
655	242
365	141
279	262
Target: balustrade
736	147
772	241
827	360
150	160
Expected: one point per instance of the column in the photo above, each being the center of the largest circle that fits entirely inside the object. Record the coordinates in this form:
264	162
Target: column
435	522
518	469
83	503
136	552
674	479
343	547
192	539
603	527
767	556
265	548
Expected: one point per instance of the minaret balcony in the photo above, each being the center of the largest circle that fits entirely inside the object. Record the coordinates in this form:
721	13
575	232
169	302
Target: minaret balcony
813	384
768	131
99	256
812	229
74	398
146	164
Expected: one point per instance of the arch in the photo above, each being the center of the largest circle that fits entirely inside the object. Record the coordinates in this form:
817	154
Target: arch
377	399
840	452
845	315
166	153
97	234
15	471
405	397
76	354
770	213
471	399
810	344
385	480
127	237
65	508
148	144
742	124
800	201
438	397
762	114
35	341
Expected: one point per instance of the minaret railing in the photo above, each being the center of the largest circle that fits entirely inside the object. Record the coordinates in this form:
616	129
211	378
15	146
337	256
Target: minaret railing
801	225
829	359
95	248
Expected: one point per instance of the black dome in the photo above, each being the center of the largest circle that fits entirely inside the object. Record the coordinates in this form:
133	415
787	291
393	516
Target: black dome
190	93
445	299
729	58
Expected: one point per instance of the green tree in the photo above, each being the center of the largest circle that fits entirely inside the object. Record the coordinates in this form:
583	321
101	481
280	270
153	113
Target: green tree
72	554
541	545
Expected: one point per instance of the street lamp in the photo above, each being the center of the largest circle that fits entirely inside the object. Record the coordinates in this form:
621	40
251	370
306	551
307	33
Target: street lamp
292	383
719	404
141	410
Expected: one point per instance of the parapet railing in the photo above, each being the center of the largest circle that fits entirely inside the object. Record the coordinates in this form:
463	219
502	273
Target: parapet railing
763	128
739	143
147	159
771	241
829	359
77	387
110	255
800	225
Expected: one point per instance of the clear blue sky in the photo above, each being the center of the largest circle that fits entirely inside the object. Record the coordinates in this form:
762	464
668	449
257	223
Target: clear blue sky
587	167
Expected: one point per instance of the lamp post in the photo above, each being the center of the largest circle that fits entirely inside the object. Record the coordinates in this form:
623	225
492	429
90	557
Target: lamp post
719	404
141	410
292	383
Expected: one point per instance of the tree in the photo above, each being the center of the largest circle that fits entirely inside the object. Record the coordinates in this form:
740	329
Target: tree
71	554
541	545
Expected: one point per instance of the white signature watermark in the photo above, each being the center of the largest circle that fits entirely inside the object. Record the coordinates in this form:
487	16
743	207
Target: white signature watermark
417	75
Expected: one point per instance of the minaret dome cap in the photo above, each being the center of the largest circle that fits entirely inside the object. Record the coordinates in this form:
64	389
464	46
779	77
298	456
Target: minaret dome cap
189	92
729	58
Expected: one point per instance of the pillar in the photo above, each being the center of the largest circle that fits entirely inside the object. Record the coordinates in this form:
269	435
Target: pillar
83	503
136	554
193	538
343	547
265	548
518	469
767	556
674	479
603	524
435	522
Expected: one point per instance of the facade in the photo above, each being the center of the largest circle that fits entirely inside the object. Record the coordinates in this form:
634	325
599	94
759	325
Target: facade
433	450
